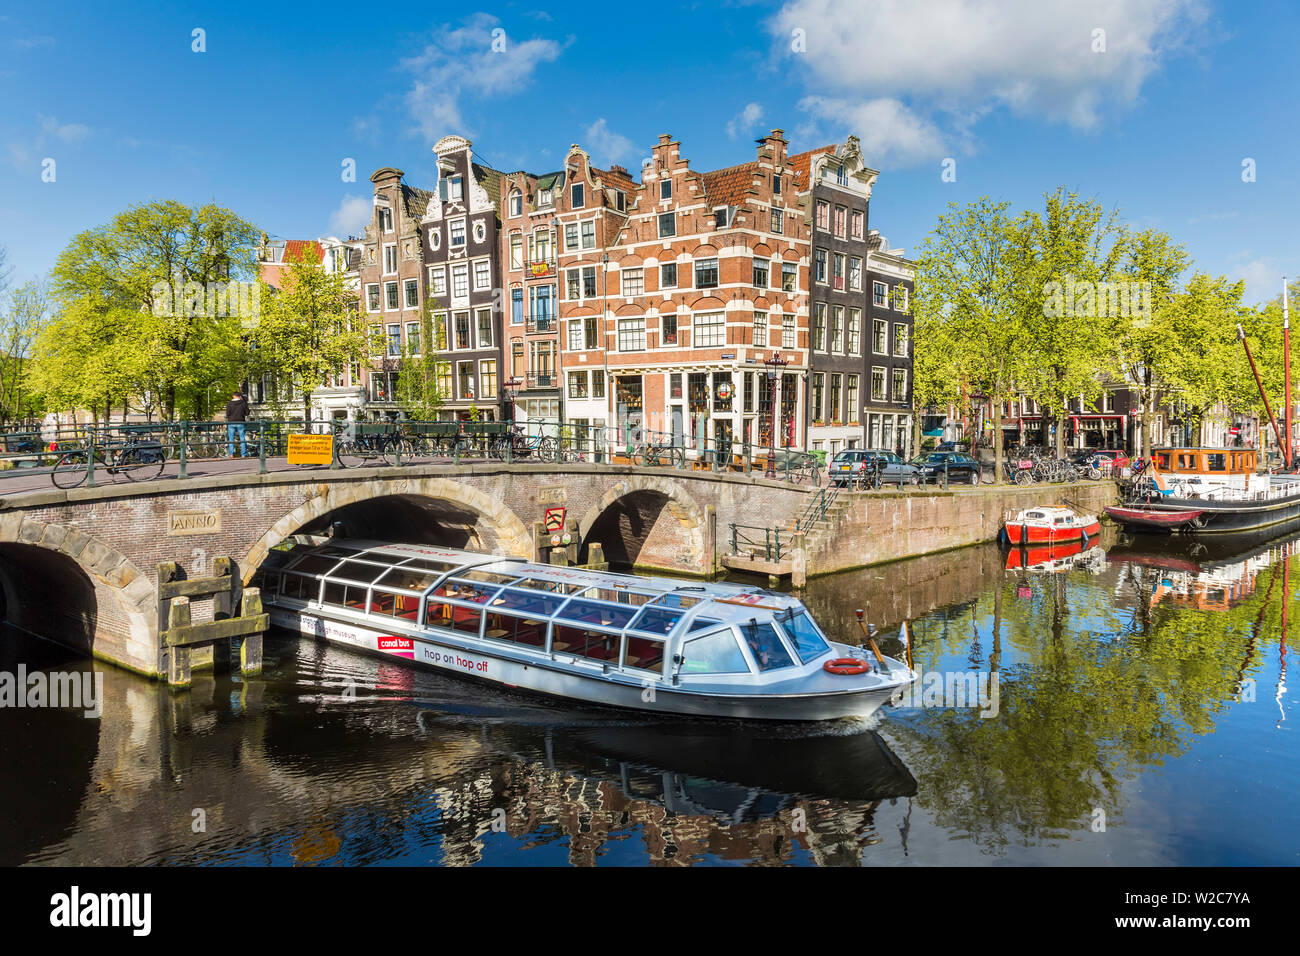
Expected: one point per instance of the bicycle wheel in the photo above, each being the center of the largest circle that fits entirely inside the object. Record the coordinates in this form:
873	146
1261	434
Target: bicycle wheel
202	447
548	449
1023	477
497	449
349	454
70	470
140	464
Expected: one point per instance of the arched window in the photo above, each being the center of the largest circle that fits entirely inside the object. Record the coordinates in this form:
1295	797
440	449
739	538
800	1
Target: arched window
516	203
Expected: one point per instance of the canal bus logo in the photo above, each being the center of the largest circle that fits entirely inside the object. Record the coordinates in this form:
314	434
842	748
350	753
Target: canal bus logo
401	646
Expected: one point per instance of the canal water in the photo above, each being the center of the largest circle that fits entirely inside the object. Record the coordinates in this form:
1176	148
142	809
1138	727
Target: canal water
1123	705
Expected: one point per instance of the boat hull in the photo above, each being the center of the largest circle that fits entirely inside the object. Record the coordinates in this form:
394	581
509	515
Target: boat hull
589	682
1149	519
1218	517
1028	534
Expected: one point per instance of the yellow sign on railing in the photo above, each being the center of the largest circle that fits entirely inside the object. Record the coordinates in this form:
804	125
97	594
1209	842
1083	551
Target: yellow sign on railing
311	449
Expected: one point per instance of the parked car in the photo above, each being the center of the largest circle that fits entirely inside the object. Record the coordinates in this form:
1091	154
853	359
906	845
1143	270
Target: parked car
961	468
847	466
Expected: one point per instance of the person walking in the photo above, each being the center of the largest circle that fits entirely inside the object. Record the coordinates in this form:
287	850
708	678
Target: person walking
236	416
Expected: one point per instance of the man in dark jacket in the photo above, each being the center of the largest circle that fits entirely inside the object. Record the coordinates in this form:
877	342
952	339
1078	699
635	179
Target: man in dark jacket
236	416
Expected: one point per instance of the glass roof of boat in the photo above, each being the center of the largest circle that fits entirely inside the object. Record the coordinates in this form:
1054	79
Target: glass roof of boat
653	605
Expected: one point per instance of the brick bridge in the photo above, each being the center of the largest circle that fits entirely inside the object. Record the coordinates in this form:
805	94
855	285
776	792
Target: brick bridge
80	566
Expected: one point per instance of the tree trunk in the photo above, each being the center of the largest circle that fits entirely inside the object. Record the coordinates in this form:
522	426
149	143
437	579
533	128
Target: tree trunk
306	412
997	440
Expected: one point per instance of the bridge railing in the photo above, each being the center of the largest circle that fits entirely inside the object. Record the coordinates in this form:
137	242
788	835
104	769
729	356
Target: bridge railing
401	442
767	544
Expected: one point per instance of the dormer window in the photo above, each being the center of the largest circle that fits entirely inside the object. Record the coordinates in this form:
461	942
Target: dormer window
451	188
543	197
620	201
720	217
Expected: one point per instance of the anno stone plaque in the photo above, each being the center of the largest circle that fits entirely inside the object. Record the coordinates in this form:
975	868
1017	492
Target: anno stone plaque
194	522
554	495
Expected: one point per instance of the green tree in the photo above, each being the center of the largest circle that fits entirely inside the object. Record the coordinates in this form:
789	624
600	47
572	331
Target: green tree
173	265
308	330
1146	346
1074	244
972	276
23	316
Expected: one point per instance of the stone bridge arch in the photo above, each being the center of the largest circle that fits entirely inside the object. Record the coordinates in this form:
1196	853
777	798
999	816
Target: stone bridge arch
503	532
659	523
116	618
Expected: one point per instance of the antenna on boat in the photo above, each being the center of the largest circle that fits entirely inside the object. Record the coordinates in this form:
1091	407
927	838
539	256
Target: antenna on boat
870	640
1286	367
1268	409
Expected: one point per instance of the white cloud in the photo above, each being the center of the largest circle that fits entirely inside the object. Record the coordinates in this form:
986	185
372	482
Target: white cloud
892	135
468	61
605	146
1263	277
50	132
351	216
962	59
747	119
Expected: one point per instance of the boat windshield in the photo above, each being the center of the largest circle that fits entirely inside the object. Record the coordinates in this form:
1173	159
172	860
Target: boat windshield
808	641
765	644
715	653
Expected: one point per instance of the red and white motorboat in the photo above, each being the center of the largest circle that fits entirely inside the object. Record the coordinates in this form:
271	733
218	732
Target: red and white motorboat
1042	525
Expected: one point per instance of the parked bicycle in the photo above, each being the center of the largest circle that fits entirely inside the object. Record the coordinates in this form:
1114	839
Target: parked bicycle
520	445
650	455
141	460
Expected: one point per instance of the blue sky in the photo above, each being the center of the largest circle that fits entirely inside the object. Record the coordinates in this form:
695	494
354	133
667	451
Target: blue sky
1018	93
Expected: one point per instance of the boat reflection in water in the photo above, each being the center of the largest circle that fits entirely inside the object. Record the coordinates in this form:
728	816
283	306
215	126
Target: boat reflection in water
684	791
1057	557
1210	574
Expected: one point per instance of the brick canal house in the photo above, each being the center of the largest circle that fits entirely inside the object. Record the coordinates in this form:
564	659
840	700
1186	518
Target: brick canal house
392	281
530	334
887	409
705	282
461	226
592	208
836	185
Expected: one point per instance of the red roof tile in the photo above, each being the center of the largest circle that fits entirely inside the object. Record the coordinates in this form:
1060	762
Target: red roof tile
295	249
801	163
727	187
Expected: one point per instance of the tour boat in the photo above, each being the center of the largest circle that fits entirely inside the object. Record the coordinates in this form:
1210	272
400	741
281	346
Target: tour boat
1051	524
650	644
1208	491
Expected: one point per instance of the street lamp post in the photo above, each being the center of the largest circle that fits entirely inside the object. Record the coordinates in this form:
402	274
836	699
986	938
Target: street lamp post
511	386
774	365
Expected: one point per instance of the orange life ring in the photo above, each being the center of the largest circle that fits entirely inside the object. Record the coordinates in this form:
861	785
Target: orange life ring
846	666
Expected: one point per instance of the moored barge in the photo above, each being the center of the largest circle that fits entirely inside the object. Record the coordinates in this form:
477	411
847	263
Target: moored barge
650	644
1208	491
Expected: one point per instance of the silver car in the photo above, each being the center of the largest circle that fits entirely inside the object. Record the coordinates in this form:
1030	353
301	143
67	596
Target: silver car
849	467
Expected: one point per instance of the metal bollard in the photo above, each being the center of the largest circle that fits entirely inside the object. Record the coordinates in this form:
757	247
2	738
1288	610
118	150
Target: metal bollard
261	448
184	472
90	460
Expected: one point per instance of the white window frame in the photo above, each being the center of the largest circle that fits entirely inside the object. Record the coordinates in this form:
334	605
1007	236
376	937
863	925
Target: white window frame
387	270
482	271
451	233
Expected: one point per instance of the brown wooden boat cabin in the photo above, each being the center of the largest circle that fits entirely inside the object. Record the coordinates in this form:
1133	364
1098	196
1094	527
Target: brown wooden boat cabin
1205	461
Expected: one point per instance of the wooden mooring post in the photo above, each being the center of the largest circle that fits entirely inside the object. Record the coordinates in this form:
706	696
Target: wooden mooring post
231	618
